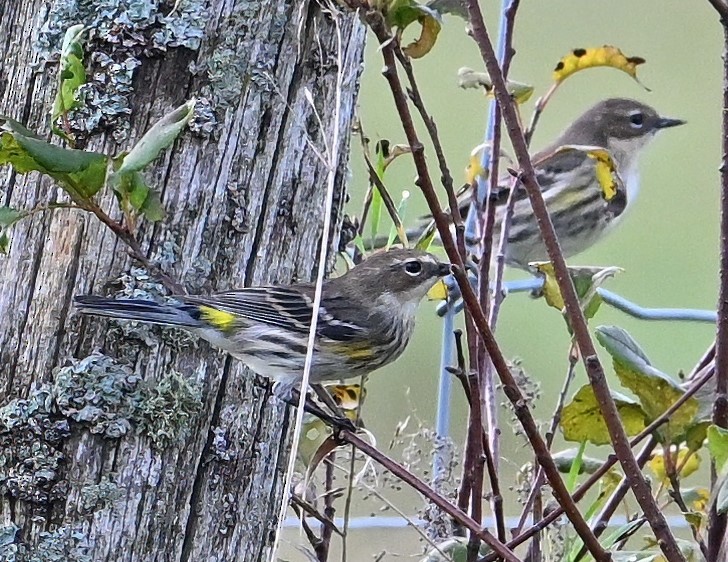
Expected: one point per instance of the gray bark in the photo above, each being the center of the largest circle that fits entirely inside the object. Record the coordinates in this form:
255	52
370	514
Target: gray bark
162	448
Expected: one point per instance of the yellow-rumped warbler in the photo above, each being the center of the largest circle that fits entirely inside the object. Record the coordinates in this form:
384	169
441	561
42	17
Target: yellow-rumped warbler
365	320
569	183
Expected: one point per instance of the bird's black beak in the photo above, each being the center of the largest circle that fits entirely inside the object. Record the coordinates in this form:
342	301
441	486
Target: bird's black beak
665	122
444	269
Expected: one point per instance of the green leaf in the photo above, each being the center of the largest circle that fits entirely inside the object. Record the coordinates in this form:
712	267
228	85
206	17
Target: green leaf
72	73
134	192
655	390
575	469
80	173
395	232
152	208
696	435
375	207
428	235
581	419
161	136
401	13
359	243
4	243
718	447
9	216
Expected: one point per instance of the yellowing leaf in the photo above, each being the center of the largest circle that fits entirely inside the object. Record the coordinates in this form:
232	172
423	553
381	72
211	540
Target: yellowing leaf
608	55
347	396
586	281
475	170
469	78
402	13
582	420
655	390
428	35
687	467
696	498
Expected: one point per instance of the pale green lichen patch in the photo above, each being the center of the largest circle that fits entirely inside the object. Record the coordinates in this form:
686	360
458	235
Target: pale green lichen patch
63	544
240	58
166	407
98	392
103	495
121	33
31	433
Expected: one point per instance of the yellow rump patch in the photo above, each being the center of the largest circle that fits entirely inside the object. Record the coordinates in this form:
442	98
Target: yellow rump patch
218	318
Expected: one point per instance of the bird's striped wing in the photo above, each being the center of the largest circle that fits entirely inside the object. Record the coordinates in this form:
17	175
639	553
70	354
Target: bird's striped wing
288	308
556	171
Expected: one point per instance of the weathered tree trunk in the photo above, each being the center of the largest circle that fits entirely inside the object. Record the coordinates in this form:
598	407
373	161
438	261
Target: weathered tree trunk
160	447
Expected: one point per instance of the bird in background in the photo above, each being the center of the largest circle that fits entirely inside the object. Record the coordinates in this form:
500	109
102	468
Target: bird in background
568	180
365	320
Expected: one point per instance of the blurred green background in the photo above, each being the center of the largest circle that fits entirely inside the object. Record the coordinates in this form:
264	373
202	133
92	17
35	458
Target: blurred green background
667	245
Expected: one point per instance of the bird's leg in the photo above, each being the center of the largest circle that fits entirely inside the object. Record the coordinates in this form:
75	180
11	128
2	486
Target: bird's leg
291	394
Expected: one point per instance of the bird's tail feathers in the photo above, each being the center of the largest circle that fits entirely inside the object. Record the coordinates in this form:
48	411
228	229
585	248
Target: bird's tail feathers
142	310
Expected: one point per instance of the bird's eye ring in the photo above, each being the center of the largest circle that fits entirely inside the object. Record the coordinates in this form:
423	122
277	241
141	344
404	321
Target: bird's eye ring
413	268
637	119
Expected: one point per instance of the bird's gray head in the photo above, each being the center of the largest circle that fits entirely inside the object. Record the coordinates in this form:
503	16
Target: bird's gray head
620	125
398	277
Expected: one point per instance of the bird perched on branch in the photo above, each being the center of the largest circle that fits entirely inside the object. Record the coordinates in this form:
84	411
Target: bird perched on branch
365	319
568	180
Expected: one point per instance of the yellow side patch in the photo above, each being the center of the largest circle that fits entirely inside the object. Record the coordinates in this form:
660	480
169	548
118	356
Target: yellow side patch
218	318
359	351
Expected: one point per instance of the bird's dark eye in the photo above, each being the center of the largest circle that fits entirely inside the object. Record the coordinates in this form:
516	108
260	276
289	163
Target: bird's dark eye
413	268
637	120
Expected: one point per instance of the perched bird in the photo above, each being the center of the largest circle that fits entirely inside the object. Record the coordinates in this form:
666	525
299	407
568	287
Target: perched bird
365	319
568	180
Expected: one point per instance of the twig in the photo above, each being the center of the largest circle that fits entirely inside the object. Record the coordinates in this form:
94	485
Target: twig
550	434
322	548
307	508
718	522
386	197
676	496
489	400
594	368
420	486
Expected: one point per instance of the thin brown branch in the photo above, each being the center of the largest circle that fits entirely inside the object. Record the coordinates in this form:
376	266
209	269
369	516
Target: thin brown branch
718	522
307	508
324	545
135	250
538	481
